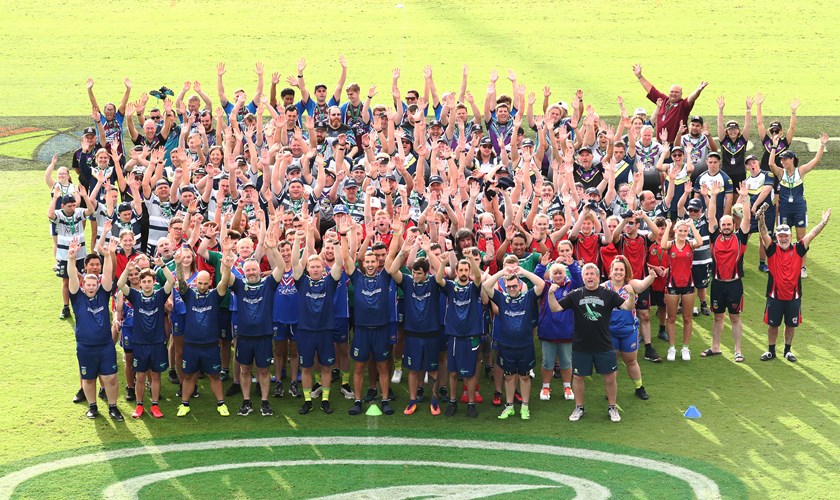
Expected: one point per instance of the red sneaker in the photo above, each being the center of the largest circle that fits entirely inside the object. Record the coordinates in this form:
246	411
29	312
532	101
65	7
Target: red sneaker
497	399
155	411
517	398
478	398
464	398
138	411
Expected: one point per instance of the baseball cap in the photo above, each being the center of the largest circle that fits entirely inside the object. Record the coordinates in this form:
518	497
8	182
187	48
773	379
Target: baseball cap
732	124
89	131
248	184
435	123
435	179
640	111
390	177
320	85
713	153
696	118
200	171
383	156
564	106
584	150
775	125
241	160
694	204
351	183
294	167
528	143
476	129
296	179
485	141
340	209
358	166
160	182
678	148
188	188
68	198
782	229
138	171
124	207
321	124
330	172
750	157
593	190
787	154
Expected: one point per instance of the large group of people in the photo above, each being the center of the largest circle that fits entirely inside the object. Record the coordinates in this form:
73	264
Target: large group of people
347	237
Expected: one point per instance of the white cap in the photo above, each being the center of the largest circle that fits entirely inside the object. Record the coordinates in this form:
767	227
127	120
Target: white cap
563	105
640	111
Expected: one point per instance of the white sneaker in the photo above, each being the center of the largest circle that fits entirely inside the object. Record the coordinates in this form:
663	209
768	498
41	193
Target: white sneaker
531	374
695	312
397	377
568	394
803	273
672	353
614	416
426	378
576	414
686	354
545	394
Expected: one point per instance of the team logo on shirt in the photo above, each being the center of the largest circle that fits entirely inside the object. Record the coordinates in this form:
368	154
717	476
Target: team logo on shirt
84	370
591	315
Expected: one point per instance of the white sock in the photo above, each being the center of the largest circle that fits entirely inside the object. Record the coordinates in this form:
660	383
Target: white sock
567	384
547	386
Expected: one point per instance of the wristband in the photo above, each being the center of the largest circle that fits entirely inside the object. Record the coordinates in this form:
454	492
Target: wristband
300	76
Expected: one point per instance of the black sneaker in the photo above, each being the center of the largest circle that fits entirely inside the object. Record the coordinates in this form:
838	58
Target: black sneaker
472	411
370	396
326	407
663	334
652	355
278	390
294	390
102	395
306	408
386	408
767	356
129	394
451	408
704	310
245	409
443	393
265	409
356	409
173	377
642	394
316	391
223	375
65	313
336	374
195	392
79	397
391	395
420	393
115	414
233	390
92	412
179	392
762	267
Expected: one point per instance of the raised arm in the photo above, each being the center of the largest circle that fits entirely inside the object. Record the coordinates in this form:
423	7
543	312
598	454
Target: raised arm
637	70
804	169
817	229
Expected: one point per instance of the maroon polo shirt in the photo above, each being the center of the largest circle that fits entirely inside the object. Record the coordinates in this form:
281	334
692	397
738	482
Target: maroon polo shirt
670	115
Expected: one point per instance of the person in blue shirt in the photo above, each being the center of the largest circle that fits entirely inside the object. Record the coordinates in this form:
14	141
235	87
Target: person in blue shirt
94	344
149	336
239	95
201	331
514	332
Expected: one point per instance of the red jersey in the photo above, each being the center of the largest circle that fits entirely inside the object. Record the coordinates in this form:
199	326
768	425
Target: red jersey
679	275
728	255
552	251
587	248
783	280
123	260
608	254
635	249
658	257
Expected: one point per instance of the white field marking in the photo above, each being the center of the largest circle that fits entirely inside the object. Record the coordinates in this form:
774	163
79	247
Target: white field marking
450	491
702	486
130	488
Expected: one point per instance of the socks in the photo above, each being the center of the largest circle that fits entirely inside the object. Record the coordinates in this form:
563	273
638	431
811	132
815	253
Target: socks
637	383
398	364
246	401
92	406
787	348
185	403
703	303
220	402
772	348
546	386
112	407
325	394
567	384
345	378
317	378
648	346
154	403
264	402
307	395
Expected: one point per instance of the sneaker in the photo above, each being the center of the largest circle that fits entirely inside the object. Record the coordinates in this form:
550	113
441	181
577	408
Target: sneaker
803	273
397	377
195	393
326	407
265	409
568	394
102	395
223	410
173	377
410	409
347	392
576	414
497	399
557	373
434	407
294	390
642	394
138	411
767	356
517	398
685	353
278	390
443	393
336	374
130	394
672	353
391	395
356	409
464	398
790	357
704	310
223	375
92	412
663	335
451	408
79	397
155	411
545	394
472	411
695	312
508	412
306	408
245	409
613	413
762	267
525	412
233	390
182	411
115	414
316	391
478	398
386	408
179	392
652	355
65	313
371	395
420	394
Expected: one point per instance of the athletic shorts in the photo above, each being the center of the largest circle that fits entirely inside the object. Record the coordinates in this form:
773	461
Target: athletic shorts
96	360
125	339
462	355
790	310
516	360
443	341
680	290
627	343
401	311
202	357
604	362
421	353
225	329
552	351
341	333
61	271
795	215
701	273
284	331
370	342
769	220
727	296
150	357
657	298
257	350
643	300
393	333
178	323
309	343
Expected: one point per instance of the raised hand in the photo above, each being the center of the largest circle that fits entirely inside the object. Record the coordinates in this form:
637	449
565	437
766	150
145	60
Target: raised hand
750	101
794	104
187	86
301	65
547	91
342	61
127	83
494	76
511	75
721	103
637	70
220	69
259	68
90	83
427	71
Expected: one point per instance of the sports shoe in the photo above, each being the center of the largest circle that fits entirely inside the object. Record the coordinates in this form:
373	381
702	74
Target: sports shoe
443	393
223	375
397	377
179	392
464	398
767	356
182	411
497	399
138	411
410	409
115	414
195	393
316	391
652	355
557	373
803	273
336	374
305	408
233	390
278	390
525	412
508	412
347	392
685	353
451	408
326	407
356	409
642	394
478	398
662	335
391	395
472	411
672	353
679	309
130	394
223	410
695	312
420	394
371	395
265	409
612	411
568	394
65	313
762	267
92	412
155	411
576	414
102	395
790	357
517	398
545	394
294	390
704	310
386	408
434	407
245	409
173	377
79	397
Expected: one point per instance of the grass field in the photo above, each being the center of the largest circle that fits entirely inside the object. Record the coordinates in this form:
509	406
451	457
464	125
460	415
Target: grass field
769	430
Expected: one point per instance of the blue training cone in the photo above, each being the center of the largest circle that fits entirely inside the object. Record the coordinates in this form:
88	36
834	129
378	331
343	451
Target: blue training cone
692	412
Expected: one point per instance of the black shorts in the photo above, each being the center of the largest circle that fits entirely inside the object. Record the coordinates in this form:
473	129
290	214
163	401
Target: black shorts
679	290
643	300
657	298
604	362
61	271
776	309
700	274
727	296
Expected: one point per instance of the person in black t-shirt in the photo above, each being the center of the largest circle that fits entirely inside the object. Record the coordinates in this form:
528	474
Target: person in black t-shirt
591	345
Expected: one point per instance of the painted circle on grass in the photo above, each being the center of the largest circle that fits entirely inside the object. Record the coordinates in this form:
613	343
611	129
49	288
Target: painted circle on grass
542	466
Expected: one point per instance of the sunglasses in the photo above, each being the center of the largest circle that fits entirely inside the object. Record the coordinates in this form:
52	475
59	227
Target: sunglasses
486	145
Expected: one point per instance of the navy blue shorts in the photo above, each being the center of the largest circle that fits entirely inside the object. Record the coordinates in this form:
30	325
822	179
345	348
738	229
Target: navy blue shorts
96	360
516	360
257	350
393	333
125	339
795	215
233	323
401	311
61	271
700	274
626	343
284	331
202	357
769	220
777	310
150	357
341	333
604	362
421	353
462	355
178	323
443	341
225	329
309	343
370	341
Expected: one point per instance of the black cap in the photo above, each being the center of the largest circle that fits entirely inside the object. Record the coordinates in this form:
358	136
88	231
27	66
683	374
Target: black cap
68	198
294	167
505	182
476	128
390	177
787	154
584	150
435	179
775	125
350	183
321	124
503	170
296	179
358	166
696	118
89	131
750	157
694	204
241	159
593	190
485	141
200	171
435	123
330	172
527	143
732	124
320	85
124	207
